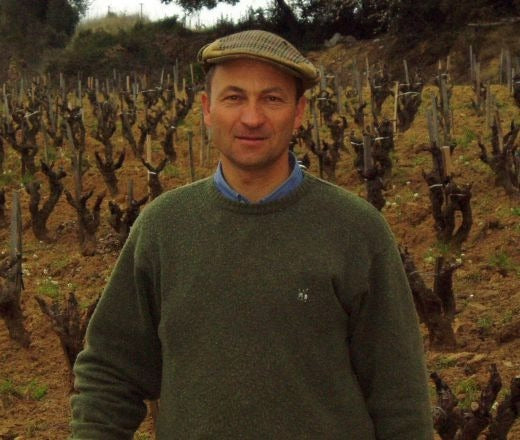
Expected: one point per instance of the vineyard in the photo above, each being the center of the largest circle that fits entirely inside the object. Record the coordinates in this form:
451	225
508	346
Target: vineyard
80	157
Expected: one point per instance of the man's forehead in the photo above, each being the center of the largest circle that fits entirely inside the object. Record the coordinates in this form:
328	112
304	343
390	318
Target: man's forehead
252	65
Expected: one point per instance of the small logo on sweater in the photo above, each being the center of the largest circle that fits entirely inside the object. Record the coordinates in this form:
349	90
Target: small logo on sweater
303	295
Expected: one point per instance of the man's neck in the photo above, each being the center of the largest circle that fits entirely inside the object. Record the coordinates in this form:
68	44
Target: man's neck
256	184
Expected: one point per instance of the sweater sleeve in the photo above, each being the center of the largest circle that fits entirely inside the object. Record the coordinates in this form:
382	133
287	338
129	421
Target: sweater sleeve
120	365
387	353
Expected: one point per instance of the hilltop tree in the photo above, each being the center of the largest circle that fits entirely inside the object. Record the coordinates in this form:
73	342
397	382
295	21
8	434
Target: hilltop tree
30	27
196	5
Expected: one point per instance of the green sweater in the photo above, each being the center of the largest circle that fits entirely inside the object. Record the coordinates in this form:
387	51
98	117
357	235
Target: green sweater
286	320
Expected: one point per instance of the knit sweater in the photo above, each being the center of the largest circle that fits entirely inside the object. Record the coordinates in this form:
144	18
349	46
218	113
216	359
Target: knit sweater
286	320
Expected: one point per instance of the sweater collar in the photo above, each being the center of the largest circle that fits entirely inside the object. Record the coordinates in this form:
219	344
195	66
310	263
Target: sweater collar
293	181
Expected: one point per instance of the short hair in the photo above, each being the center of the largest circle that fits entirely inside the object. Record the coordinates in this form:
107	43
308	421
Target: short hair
300	90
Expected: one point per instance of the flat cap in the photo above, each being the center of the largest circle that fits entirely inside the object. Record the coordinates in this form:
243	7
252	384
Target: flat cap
263	46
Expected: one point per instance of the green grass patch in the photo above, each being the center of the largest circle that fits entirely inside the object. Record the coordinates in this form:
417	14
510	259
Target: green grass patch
470	391
445	362
49	288
36	390
33	390
485	324
8	388
467	138
171	171
8	178
503	262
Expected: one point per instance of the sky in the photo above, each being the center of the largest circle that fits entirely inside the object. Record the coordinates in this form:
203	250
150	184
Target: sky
155	10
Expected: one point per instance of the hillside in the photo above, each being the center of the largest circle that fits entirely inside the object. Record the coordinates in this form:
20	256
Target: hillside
34	386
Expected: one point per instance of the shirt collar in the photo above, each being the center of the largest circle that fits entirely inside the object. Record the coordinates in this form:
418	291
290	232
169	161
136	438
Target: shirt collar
293	181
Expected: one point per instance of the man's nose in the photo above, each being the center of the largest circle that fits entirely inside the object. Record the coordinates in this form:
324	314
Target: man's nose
252	115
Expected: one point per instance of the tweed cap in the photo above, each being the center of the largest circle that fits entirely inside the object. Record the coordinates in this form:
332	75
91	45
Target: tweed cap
263	46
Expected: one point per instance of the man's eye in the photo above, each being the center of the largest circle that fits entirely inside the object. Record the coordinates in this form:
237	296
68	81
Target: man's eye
232	98
272	98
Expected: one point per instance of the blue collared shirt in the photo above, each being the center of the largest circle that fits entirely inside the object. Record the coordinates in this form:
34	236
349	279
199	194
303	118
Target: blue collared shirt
293	181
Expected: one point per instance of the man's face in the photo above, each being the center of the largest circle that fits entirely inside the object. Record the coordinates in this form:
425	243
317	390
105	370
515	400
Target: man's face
252	113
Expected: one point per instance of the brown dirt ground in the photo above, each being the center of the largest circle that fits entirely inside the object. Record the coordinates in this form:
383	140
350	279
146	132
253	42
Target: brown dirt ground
34	387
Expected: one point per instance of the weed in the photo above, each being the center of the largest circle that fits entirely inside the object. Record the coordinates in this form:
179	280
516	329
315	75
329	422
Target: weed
442	249
474	277
60	263
515	211
8	388
484	324
429	257
52	154
503	262
7	178
419	160
33	390
33	428
466	139
470	389
28	178
171	171
36	390
445	362
433	393
507	318
49	288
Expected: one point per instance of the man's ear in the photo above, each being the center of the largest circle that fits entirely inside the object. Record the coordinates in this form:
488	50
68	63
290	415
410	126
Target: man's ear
205	101
300	112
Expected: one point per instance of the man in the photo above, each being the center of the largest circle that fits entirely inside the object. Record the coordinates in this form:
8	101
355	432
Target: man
260	303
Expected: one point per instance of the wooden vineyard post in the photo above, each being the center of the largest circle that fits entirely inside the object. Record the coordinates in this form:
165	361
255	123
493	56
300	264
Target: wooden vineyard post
190	153
62	87
359	87
477	85
435	122
509	75
45	142
337	90
501	68
204	144
317	140
176	78
406	74
500	133
130	194
446	162
149	154
396	104
11	270
323	79
445	109
488	105
471	65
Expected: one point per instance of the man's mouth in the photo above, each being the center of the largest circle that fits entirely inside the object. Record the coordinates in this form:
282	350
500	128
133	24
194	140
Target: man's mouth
251	138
